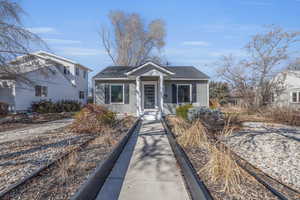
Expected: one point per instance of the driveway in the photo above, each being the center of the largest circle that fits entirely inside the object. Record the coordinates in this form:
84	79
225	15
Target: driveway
33	130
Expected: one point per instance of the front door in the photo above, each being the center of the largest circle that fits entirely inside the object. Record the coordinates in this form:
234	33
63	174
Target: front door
149	92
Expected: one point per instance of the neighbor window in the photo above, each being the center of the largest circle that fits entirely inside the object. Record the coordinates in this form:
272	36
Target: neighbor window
296	97
41	91
84	74
116	93
77	71
184	93
66	70
81	94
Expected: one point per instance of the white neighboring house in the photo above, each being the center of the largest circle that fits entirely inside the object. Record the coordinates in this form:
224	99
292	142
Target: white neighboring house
54	78
290	96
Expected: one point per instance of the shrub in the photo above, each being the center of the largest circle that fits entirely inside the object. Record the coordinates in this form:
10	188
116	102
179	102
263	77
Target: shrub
182	111
93	119
3	108
47	106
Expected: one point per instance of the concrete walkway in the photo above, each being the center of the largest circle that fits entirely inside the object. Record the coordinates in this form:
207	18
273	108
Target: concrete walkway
146	169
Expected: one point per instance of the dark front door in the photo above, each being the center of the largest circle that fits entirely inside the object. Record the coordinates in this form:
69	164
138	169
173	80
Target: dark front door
149	96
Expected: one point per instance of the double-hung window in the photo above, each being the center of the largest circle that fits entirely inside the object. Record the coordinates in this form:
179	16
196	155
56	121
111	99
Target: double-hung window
116	93
41	91
81	94
184	93
295	97
84	74
77	71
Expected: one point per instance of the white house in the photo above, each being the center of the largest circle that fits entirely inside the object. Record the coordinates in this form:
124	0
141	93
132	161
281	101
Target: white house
53	78
290	96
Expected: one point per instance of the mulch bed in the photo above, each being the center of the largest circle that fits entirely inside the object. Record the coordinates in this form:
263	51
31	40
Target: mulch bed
63	179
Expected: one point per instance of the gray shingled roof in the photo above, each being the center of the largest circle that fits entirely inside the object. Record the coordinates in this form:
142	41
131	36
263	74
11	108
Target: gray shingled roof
189	72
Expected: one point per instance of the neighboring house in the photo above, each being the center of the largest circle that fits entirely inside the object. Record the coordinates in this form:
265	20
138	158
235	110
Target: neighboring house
53	78
150	89
290	94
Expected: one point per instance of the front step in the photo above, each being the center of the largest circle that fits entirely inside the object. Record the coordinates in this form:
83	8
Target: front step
151	115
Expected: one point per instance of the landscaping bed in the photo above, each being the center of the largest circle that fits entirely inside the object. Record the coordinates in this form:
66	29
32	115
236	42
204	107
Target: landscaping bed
94	126
218	170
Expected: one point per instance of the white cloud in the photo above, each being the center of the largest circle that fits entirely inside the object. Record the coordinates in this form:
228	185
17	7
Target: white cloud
196	43
38	30
78	51
61	41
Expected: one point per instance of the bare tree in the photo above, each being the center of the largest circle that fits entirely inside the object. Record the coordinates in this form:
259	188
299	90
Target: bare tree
234	72
132	42
267	54
15	39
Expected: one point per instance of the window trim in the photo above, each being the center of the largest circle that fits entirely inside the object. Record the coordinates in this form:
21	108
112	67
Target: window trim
297	97
123	95
43	88
190	85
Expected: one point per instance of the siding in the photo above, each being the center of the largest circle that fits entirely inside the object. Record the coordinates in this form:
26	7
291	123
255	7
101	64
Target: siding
59	88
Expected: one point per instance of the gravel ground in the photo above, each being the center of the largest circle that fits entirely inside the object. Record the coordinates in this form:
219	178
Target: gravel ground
21	157
273	148
63	179
33	130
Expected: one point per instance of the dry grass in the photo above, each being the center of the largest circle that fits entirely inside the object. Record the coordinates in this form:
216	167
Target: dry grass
67	166
194	136
285	115
222	168
178	125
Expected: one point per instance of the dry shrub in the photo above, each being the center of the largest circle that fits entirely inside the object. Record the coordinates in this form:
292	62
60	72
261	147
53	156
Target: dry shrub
93	119
214	103
222	168
178	125
194	136
127	122
284	115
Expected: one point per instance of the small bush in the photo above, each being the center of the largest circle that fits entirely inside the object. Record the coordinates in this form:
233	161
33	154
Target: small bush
3	109
93	119
47	106
182	111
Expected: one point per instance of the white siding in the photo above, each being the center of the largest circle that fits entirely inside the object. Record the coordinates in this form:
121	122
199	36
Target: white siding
59	88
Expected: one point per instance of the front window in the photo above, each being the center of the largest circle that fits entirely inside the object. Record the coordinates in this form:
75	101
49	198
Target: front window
81	94
77	71
116	93
184	93
41	91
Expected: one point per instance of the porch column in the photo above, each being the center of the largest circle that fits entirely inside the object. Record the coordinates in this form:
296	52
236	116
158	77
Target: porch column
161	91
138	96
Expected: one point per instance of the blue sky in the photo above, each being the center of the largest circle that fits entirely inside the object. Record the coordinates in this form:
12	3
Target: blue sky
198	31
